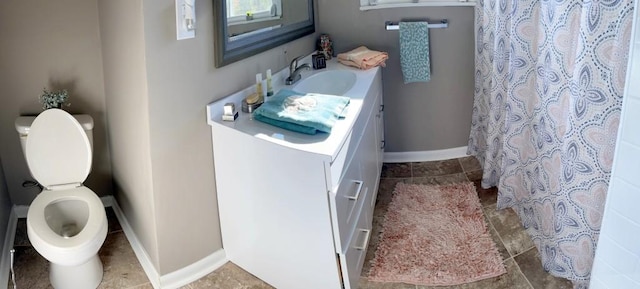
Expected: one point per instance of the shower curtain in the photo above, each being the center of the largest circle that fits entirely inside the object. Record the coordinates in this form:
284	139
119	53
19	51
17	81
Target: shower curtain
549	85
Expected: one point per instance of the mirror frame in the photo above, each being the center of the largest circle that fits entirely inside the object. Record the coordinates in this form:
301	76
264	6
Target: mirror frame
227	52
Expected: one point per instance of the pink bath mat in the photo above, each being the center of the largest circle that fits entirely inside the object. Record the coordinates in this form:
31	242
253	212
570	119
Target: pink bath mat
435	236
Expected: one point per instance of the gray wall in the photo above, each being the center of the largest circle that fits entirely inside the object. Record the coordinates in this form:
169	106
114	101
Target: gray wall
53	44
5	207
157	89
418	116
122	38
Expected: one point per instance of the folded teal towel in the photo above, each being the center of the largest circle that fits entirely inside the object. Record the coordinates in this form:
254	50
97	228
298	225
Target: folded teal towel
302	112
286	125
414	51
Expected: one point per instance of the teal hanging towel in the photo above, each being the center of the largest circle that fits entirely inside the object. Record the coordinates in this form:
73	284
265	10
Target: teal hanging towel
414	51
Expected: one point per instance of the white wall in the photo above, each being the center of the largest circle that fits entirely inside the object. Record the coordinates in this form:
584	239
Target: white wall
617	261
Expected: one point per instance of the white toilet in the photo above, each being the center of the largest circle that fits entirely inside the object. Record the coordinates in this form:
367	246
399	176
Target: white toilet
66	222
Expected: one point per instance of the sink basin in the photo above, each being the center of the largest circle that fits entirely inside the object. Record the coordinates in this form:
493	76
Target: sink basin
335	82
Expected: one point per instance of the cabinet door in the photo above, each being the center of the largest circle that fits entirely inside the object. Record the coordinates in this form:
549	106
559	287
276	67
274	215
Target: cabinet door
370	158
346	203
377	122
352	259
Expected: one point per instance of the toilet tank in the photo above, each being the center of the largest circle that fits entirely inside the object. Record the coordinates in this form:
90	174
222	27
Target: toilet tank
23	124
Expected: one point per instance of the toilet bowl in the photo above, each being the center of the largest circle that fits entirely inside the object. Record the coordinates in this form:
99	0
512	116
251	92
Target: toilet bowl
66	222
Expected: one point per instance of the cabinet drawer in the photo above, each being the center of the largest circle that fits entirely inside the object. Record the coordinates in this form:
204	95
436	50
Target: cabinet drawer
352	259
348	200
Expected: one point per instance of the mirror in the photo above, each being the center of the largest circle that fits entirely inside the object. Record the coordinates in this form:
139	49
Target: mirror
248	27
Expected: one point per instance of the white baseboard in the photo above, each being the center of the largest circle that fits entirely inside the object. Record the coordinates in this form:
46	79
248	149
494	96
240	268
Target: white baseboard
20	211
195	271
425	156
137	247
171	280
9	238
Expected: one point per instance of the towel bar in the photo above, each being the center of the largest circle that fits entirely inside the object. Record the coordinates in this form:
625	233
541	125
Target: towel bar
395	26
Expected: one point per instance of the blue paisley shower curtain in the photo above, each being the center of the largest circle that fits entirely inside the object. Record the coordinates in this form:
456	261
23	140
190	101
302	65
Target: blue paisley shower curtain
549	85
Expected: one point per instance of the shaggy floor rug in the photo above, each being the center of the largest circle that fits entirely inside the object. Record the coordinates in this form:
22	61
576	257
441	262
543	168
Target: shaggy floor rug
435	236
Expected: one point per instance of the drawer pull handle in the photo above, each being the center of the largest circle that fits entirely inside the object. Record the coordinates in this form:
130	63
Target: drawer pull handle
383	145
358	190
365	244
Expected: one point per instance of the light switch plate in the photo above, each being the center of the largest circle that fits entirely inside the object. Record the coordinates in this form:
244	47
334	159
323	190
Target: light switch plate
185	13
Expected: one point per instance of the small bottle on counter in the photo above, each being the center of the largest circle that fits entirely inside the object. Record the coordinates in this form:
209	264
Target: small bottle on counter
269	85
259	88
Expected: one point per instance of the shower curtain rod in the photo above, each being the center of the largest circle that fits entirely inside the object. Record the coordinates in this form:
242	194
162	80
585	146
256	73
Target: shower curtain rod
395	26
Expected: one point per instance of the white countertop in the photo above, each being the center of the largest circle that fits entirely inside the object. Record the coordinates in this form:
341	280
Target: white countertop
321	143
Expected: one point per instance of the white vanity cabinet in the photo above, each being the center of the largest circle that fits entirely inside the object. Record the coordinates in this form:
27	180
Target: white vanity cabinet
296	210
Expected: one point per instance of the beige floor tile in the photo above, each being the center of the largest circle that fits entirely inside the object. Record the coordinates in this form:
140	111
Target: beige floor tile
366	284
114	225
21	238
487	196
508	226
504	253
474	175
385	192
531	267
396	170
229	276
440	180
31	269
121	267
470	163
513	279
143	286
436	168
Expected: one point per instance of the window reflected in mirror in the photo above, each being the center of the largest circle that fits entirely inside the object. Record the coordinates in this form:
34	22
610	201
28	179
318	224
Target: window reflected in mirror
244	11
247	27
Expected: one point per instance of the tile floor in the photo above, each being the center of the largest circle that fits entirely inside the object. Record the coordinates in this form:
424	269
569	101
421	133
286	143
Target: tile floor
524	270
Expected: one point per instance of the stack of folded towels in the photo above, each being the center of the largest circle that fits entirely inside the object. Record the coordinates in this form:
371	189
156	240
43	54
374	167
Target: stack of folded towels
306	113
363	58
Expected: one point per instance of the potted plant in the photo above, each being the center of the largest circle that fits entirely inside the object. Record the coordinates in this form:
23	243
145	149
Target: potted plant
249	15
54	99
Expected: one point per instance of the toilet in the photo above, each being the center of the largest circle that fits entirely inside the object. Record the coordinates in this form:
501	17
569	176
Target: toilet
66	222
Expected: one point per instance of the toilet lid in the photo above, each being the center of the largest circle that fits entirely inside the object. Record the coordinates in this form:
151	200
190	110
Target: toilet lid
58	150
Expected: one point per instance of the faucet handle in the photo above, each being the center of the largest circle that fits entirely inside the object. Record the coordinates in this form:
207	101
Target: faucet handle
298	58
294	63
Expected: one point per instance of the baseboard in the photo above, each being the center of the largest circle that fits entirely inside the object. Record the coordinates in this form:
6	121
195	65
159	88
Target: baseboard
20	211
108	201
136	245
5	255
174	279
425	156
195	271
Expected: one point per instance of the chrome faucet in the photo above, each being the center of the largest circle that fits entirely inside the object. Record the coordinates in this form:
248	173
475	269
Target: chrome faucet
294	71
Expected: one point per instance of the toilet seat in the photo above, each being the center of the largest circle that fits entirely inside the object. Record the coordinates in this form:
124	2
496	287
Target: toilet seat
58	150
38	221
58	248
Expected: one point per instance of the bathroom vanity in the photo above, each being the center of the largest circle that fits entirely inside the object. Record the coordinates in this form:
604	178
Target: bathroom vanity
296	210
